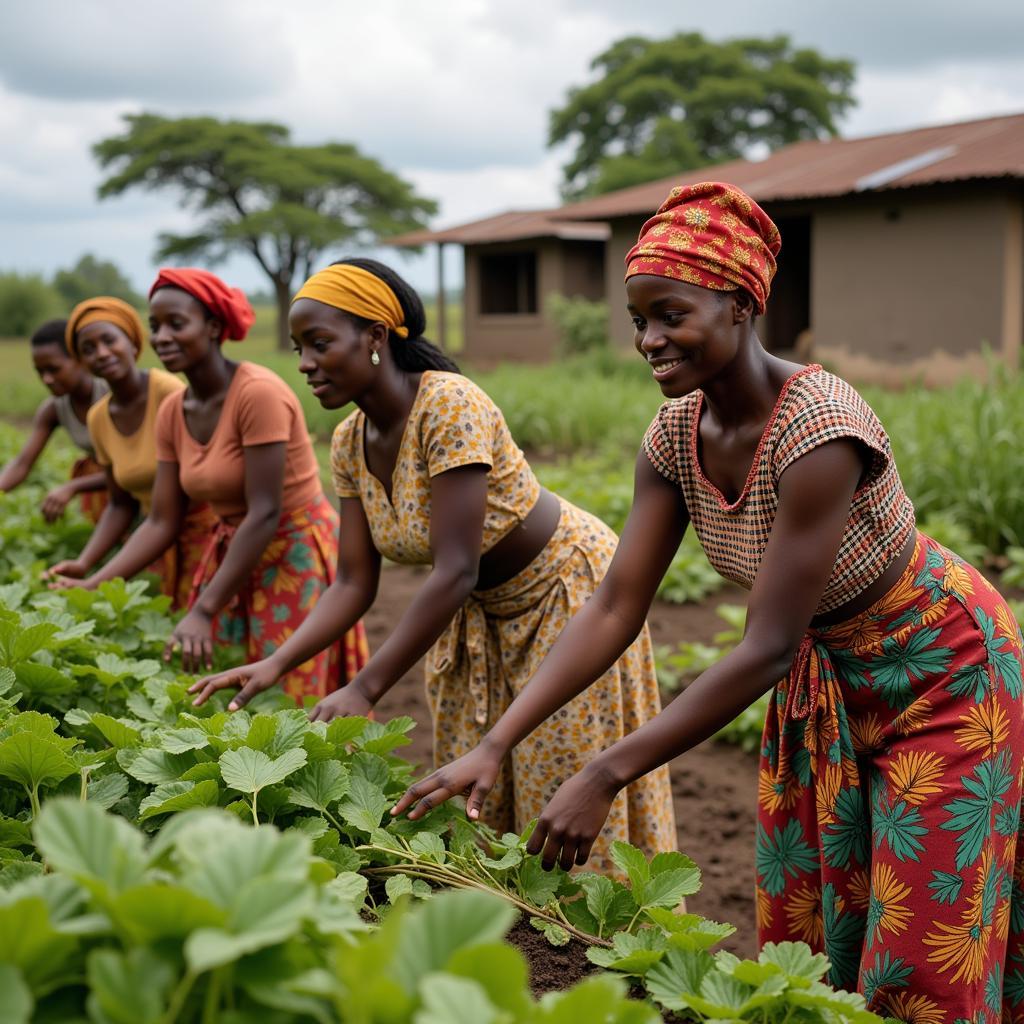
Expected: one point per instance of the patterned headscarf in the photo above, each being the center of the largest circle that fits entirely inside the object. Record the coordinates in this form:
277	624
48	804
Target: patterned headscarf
105	309
712	235
355	290
226	304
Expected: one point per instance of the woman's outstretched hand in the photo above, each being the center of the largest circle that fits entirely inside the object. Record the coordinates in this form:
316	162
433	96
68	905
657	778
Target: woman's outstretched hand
572	820
194	634
349	700
251	679
473	774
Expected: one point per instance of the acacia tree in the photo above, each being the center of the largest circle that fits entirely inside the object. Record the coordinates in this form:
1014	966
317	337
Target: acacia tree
258	193
669	105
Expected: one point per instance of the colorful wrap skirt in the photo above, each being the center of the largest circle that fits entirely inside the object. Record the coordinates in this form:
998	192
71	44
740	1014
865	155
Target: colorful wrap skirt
177	566
92	503
889	799
491	650
297	566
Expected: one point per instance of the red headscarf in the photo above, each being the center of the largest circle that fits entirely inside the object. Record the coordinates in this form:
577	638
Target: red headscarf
226	304
712	235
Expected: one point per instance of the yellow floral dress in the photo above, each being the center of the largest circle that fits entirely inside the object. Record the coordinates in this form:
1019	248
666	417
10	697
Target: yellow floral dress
497	640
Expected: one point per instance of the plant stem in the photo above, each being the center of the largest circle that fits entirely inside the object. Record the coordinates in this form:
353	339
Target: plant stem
178	998
439	873
255	820
211	1003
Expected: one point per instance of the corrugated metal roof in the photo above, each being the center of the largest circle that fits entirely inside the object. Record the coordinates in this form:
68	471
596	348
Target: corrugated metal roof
985	149
508	227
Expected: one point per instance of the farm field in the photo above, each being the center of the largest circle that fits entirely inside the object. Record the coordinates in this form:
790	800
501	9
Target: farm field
99	716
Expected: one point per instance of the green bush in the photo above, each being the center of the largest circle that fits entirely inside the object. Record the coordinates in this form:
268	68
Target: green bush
582	324
26	300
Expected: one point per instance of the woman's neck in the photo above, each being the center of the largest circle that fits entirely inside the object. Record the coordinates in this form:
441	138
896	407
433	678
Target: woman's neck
82	391
129	389
211	378
388	404
746	391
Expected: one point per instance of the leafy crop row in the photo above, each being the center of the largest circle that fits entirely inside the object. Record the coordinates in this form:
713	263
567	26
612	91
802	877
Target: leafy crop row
163	863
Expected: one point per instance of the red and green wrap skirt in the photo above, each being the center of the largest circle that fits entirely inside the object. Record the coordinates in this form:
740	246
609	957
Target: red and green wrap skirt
297	566
889	799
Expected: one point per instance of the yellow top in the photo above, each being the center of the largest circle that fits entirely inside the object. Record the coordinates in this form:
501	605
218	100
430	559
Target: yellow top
354	290
452	423
132	457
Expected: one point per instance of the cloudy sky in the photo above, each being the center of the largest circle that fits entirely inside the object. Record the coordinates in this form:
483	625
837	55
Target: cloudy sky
454	94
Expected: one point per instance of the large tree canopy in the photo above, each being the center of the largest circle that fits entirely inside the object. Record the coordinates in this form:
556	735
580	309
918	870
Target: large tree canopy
663	106
258	193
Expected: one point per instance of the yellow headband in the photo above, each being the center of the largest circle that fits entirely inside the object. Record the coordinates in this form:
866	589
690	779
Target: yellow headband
357	291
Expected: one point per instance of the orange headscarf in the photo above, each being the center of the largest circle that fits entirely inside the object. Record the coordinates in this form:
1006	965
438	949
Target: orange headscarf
712	235
355	290
105	309
226	304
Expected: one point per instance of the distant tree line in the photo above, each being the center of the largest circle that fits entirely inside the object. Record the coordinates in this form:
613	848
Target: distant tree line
26	300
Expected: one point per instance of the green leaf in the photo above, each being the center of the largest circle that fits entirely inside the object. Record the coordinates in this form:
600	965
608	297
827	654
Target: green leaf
451	1000
30	943
441	926
630	954
382	738
293	727
429	846
398	886
500	970
261	732
158	910
632	861
179	796
155	766
794	959
16	1002
319	785
554	933
130	988
601	998
680	973
7	679
116	732
38	680
180	741
365	804
89	844
536	884
249	770
349	887
342	731
34	760
108	790
668	888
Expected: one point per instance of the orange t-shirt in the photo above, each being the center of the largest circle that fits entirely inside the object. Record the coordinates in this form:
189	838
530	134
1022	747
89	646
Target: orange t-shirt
259	409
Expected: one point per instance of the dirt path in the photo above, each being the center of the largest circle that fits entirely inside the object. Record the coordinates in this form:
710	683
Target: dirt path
714	785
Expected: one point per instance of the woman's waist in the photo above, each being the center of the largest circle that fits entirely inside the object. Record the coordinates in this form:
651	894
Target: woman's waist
524	542
292	514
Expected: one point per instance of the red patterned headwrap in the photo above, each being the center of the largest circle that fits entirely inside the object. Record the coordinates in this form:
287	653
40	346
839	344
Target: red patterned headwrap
226	304
712	235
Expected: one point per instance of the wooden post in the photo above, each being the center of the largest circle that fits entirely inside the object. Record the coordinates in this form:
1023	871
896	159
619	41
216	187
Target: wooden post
441	325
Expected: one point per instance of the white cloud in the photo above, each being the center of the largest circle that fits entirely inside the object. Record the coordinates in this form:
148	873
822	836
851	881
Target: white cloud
455	97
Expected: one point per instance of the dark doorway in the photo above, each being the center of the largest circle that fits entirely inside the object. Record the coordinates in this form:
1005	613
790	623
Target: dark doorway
789	306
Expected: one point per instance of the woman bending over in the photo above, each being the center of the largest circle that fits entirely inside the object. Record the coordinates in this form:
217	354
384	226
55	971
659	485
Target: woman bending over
428	474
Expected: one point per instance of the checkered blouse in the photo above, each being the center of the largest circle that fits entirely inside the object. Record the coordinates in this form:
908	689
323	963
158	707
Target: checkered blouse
813	408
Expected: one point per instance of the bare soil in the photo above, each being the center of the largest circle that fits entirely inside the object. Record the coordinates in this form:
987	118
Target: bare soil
714	786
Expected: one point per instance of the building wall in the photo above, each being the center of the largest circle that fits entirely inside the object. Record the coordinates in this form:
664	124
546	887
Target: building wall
906	287
563	267
913	286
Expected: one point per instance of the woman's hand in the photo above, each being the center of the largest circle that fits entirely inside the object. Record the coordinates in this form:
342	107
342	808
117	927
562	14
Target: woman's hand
573	818
195	636
349	700
473	774
56	501
252	679
72	568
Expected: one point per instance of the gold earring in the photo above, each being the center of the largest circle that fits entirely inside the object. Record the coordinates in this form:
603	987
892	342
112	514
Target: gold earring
375	358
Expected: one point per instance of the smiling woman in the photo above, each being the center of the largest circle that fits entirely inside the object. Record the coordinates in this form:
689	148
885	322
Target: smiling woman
236	440
889	789
106	336
428	474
